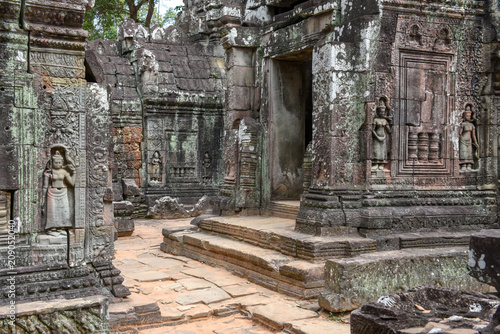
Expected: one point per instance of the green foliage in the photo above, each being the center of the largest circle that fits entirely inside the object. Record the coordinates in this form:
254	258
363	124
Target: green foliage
164	20
103	19
338	317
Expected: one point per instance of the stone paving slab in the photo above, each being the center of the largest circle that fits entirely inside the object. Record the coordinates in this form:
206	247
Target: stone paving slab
195	284
317	326
205	296
276	315
238	290
199	311
252	300
148	276
171	313
161	263
222	304
216	276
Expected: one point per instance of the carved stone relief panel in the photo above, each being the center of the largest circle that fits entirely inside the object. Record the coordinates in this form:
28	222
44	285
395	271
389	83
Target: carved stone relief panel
100	243
418	34
99	227
5	204
468	143
441	68
181	159
155	152
425	99
155	134
155	168
76	247
65	121
56	64
206	167
58	202
98	154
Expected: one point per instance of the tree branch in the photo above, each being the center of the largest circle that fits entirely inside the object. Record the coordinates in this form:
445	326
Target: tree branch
151	10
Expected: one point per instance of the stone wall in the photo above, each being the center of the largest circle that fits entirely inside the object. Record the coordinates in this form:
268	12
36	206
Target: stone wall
391	148
167	103
399	106
56	216
397	103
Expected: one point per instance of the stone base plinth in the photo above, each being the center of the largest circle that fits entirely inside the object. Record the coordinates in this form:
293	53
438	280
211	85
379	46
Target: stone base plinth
387	212
269	252
79	315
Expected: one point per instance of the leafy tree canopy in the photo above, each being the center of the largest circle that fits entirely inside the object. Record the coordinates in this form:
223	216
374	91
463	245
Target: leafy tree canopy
106	15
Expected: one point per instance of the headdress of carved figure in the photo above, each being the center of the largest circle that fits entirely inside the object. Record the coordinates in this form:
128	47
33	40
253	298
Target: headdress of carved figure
383	107
57	157
467	114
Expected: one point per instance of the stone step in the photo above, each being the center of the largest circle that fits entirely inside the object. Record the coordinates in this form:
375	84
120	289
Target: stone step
134	310
265	267
278	234
283	209
269	252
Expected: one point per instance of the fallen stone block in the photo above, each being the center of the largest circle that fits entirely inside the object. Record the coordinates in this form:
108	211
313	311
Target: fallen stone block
352	282
484	257
426	309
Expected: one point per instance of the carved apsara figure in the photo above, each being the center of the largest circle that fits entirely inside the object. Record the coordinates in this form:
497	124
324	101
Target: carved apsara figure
155	171
207	162
380	130
468	140
58	176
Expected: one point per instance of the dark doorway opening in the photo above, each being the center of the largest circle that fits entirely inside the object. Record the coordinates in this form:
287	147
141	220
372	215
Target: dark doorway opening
290	123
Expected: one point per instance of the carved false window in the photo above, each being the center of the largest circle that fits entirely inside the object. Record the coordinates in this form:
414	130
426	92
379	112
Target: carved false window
425	100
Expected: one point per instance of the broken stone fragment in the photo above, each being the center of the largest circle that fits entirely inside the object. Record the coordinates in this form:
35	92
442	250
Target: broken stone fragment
451	311
484	257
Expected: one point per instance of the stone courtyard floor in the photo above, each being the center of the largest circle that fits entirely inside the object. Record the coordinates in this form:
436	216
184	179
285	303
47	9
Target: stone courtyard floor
178	295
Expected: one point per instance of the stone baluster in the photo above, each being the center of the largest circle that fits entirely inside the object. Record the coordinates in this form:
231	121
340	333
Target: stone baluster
434	147
412	145
423	146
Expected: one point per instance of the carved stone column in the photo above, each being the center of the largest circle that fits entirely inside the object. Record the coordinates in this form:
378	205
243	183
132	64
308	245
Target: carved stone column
241	189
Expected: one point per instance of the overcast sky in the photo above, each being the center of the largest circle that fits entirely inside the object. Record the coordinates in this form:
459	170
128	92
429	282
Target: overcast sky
170	3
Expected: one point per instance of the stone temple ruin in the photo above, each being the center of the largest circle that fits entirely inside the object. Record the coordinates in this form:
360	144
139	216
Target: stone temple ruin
372	124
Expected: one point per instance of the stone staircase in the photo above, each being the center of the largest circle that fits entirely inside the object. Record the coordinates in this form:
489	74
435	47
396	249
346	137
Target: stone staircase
267	251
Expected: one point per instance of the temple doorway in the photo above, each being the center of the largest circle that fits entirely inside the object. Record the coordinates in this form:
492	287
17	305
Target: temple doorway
290	123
